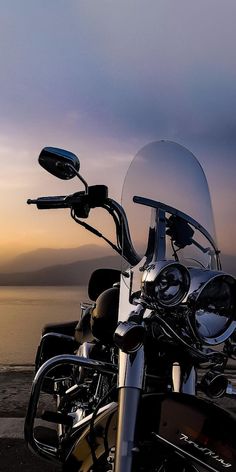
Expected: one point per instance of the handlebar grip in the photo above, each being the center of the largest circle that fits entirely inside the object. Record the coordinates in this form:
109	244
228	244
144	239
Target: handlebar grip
45	203
80	201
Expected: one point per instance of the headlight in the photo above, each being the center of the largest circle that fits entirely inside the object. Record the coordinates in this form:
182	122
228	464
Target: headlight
212	300
165	283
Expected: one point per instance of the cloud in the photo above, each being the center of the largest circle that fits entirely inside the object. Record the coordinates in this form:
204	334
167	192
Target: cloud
103	78
125	69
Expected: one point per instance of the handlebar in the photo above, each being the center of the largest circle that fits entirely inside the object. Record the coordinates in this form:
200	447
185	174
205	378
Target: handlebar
96	196
81	204
45	203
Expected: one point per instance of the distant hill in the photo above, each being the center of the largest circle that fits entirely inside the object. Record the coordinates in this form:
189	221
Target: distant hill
47	257
76	273
58	268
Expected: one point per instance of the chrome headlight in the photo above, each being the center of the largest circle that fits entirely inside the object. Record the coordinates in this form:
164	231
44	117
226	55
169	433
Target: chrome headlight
165	283
212	299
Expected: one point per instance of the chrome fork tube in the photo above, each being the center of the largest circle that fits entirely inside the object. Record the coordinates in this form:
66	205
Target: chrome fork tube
184	380
189	381
131	373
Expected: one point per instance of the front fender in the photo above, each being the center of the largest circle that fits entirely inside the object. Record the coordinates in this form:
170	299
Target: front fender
195	428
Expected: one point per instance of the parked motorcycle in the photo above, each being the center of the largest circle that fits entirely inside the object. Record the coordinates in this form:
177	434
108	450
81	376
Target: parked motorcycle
129	394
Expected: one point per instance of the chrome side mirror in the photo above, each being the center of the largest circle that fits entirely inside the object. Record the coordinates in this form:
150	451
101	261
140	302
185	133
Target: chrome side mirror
63	164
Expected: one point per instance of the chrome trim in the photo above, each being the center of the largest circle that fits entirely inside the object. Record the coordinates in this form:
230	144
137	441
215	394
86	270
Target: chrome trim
200	279
44	450
184	453
189	381
131	369
230	391
131	376
184	216
184	380
160	227
85	349
176	377
85	421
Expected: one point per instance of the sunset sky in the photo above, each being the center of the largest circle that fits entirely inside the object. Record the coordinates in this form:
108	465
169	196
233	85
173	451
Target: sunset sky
102	78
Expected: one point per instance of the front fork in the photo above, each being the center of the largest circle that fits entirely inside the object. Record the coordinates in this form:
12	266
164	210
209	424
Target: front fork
130	383
131	376
184	379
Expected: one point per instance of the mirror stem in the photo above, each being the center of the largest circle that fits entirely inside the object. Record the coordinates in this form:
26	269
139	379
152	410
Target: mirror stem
80	177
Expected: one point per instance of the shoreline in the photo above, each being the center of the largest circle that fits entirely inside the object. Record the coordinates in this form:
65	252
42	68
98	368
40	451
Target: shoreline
28	366
16	368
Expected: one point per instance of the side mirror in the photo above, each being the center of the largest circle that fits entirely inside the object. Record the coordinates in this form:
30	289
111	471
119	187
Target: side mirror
63	164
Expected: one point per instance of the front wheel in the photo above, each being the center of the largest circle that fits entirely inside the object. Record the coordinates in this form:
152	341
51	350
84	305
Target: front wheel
155	461
164	461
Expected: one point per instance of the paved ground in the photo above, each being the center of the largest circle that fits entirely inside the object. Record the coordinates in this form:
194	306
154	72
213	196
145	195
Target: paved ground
15	388
15	457
14	395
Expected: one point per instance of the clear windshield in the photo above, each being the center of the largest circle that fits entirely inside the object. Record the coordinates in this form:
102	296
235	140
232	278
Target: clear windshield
168	173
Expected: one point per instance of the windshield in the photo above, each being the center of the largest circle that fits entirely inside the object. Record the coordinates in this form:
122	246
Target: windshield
171	177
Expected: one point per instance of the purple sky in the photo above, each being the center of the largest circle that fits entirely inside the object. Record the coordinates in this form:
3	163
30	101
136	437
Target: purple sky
103	78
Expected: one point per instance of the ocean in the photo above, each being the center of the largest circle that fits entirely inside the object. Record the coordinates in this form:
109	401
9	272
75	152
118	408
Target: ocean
25	310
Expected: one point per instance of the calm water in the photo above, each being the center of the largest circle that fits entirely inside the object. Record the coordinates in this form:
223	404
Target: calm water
24	311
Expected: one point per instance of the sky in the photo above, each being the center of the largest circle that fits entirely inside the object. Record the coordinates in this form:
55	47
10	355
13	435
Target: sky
102	78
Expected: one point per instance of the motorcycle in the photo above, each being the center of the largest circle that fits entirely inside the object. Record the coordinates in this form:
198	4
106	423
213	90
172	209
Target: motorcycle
138	391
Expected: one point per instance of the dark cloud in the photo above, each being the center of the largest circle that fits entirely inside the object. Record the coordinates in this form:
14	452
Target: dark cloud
125	69
106	77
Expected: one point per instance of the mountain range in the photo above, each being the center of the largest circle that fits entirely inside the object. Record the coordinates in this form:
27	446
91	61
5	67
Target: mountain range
75	273
47	257
68	266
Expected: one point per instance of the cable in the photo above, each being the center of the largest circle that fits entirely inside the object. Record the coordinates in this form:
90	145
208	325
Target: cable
174	251
196	353
94	231
92	429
